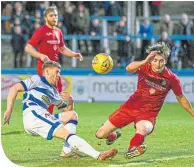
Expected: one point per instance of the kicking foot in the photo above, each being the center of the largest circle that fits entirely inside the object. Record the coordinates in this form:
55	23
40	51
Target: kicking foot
139	150
112	137
107	154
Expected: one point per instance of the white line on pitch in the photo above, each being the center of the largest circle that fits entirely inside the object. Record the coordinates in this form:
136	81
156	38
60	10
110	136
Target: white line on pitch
152	160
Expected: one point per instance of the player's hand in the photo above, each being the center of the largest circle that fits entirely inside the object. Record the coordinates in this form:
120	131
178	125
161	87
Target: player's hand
79	56
150	57
44	58
7	116
66	96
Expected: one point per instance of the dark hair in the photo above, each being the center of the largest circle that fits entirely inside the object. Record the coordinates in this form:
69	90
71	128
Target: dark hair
161	48
49	64
50	9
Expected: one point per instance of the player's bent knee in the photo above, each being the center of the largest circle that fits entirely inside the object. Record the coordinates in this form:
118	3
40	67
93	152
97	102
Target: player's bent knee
142	131
100	134
144	127
74	116
149	127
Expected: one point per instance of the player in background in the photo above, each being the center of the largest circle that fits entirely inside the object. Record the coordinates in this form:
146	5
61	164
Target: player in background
154	82
40	92
48	40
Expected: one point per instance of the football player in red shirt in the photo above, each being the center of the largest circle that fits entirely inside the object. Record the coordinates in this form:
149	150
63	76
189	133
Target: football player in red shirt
48	40
154	82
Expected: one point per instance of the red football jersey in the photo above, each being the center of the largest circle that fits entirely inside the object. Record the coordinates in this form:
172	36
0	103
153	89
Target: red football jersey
152	89
47	41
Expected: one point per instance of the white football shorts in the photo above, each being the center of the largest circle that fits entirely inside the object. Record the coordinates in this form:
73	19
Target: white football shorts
38	121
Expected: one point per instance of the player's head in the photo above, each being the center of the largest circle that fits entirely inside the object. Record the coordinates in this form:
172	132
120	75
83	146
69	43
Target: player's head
162	53
51	71
51	16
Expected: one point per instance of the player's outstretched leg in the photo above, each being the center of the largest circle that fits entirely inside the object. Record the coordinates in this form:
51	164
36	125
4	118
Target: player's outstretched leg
112	137
80	145
139	150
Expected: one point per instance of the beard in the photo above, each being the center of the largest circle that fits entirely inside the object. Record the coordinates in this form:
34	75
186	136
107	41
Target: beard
52	23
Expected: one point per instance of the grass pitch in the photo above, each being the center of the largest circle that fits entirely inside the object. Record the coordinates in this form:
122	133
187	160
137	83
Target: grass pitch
171	144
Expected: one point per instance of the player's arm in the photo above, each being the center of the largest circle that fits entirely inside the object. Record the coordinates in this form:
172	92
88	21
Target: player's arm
11	99
184	102
32	51
134	66
69	107
67	52
67	103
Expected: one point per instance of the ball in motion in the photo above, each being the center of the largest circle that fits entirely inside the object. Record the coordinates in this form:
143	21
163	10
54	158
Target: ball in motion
102	63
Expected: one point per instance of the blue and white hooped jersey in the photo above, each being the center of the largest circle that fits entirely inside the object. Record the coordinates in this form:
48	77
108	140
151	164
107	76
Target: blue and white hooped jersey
38	91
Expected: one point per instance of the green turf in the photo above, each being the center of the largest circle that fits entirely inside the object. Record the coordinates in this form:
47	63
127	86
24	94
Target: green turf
173	137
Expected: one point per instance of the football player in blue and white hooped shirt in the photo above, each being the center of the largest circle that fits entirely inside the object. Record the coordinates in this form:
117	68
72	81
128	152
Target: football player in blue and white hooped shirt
40	92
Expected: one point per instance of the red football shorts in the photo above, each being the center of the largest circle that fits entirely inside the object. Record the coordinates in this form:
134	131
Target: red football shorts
124	116
59	86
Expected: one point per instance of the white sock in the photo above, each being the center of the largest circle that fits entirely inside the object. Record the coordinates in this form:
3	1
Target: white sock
81	145
67	148
71	127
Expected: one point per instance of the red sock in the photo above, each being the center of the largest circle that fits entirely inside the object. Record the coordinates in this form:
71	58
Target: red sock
112	136
137	140
50	109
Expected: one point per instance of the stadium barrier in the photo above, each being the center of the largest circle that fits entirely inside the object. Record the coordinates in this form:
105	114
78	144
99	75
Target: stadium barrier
85	84
118	37
74	40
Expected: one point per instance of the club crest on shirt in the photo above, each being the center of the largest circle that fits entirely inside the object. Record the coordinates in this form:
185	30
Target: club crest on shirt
152	90
163	83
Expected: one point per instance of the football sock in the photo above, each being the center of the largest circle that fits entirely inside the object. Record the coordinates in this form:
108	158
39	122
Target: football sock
66	148
81	145
71	127
51	108
137	140
112	136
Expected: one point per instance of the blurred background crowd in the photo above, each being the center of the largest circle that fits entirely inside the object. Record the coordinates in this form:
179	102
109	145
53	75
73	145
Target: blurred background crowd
20	19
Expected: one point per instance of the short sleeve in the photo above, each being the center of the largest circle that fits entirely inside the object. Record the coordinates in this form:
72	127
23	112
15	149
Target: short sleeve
143	68
30	82
62	43
176	85
36	38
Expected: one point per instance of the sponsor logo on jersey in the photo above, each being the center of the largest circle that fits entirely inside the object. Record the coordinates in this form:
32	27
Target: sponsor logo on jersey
154	85
46	99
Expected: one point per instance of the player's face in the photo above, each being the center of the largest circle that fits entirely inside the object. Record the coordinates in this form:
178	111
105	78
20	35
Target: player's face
158	63
53	75
52	18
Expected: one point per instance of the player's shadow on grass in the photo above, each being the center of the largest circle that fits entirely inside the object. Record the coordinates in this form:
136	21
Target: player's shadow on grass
13	133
